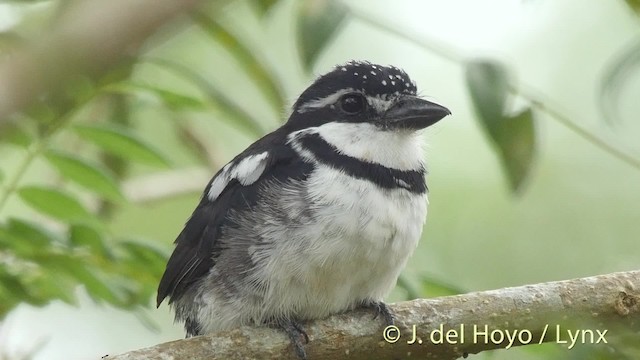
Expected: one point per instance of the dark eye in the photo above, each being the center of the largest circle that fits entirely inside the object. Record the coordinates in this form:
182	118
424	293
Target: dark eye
352	103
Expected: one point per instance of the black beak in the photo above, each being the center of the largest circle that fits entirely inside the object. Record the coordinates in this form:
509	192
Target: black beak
413	113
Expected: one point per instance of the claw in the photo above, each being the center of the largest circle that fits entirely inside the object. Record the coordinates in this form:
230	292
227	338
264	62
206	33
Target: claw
380	308
296	334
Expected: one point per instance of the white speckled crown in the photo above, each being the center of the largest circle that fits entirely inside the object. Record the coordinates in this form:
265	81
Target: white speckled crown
371	79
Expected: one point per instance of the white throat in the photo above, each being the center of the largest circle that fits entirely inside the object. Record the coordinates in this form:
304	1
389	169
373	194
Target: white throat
401	150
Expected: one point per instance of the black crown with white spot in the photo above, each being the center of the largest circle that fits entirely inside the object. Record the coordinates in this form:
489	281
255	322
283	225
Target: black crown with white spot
371	79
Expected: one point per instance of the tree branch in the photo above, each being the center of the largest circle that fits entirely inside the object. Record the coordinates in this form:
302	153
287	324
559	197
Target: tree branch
599	308
92	36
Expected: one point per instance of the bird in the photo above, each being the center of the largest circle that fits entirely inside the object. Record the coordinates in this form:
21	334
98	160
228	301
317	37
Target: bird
315	218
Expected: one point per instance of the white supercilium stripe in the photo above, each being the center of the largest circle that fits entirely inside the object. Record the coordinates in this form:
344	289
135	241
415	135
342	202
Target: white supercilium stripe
323	102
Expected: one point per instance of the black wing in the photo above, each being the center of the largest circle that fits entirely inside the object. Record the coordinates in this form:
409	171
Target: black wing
196	250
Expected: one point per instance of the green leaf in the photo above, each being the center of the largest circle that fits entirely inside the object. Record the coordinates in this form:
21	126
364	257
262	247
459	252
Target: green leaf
121	71
142	254
220	101
173	100
634	5
88	175
31	233
81	235
50	285
264	79
318	22
263	7
12	291
616	74
76	269
516	141
54	203
16	134
488	83
432	287
143	260
513	136
103	290
192	141
25	240
122	142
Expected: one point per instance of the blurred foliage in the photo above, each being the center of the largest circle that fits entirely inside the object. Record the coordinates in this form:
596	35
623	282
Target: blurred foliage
215	98
433	287
318	22
634	5
122	142
513	135
66	241
89	148
255	69
617	73
263	7
39	265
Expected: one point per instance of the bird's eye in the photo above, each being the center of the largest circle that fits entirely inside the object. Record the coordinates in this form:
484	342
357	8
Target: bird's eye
352	103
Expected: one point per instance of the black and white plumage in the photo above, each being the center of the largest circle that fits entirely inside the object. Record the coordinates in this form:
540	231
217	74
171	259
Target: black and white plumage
317	217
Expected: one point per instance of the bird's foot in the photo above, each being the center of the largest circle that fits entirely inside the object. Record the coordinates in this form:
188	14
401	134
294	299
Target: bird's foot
380	309
296	334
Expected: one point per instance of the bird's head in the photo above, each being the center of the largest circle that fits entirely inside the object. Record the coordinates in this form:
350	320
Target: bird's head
361	92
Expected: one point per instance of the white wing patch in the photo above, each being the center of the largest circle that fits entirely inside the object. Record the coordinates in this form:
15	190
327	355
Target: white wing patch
219	183
246	171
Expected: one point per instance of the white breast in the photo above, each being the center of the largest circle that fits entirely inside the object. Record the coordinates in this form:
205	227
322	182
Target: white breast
346	239
361	236
355	251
